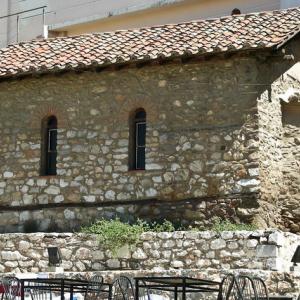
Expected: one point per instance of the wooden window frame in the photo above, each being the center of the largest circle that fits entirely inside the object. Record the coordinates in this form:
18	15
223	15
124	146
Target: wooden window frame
48	155
134	147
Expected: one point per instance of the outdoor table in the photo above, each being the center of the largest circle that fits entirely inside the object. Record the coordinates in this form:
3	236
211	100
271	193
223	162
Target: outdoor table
176	285
62	285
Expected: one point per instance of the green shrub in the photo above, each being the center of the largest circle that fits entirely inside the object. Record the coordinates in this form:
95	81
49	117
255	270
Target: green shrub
157	226
225	225
113	234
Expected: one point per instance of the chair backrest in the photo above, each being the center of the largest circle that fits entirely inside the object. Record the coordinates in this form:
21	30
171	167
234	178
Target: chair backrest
40	291
144	291
94	288
123	289
246	287
229	289
11	287
226	286
260	289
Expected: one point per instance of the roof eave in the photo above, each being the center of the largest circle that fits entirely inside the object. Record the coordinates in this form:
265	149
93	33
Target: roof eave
287	39
137	62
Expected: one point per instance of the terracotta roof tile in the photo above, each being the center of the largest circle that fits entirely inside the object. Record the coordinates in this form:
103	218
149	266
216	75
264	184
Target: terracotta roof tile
232	33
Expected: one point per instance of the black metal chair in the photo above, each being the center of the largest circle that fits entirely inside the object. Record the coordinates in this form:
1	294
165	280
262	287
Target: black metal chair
94	288
122	289
40	291
229	289
260	289
246	287
146	293
11	287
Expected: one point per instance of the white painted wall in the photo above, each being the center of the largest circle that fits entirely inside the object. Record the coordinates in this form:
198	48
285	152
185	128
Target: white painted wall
4	10
179	12
289	3
30	24
78	16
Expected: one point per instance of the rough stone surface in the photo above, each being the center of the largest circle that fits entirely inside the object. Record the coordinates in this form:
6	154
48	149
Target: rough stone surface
216	145
185	250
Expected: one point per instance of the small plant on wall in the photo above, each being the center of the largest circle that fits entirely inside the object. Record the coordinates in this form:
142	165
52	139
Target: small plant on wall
220	225
114	234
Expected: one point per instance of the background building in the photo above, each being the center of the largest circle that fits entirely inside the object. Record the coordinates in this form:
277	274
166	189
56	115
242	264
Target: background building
73	17
183	122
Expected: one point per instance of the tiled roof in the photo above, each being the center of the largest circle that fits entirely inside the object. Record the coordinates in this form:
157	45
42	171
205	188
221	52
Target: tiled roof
231	33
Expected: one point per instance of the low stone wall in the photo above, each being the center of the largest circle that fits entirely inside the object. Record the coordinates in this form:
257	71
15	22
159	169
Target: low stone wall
260	250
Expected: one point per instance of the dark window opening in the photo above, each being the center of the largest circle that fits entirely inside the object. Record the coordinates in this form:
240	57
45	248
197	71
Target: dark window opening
49	145
291	114
235	11
137	143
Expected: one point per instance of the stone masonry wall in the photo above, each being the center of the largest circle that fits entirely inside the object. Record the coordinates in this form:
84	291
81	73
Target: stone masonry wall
214	146
201	133
290	196
66	219
257	250
291	199
279	163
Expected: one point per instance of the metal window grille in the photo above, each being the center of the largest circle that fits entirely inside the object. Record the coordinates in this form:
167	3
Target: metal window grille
140	145
51	151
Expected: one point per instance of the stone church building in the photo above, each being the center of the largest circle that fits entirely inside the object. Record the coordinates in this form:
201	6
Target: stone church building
185	122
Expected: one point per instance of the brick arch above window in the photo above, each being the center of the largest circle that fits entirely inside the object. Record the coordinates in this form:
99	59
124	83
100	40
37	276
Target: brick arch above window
129	105
45	111
49	126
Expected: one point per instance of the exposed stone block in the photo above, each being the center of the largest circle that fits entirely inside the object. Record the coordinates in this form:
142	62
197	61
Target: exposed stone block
266	251
276	238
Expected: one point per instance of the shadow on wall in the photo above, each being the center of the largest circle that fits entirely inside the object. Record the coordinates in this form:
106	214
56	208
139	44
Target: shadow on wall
291	163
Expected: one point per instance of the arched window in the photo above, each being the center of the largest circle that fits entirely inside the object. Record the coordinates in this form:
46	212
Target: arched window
137	142
49	143
235	11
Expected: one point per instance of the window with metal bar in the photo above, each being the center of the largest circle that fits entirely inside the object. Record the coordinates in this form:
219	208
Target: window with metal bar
137	143
49	145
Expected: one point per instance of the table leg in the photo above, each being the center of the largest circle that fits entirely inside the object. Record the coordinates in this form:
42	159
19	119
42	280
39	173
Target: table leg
183	289
110	292
71	292
22	290
62	290
136	296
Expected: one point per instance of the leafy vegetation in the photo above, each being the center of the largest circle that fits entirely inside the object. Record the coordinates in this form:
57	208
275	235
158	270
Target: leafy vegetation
225	225
114	234
165	226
